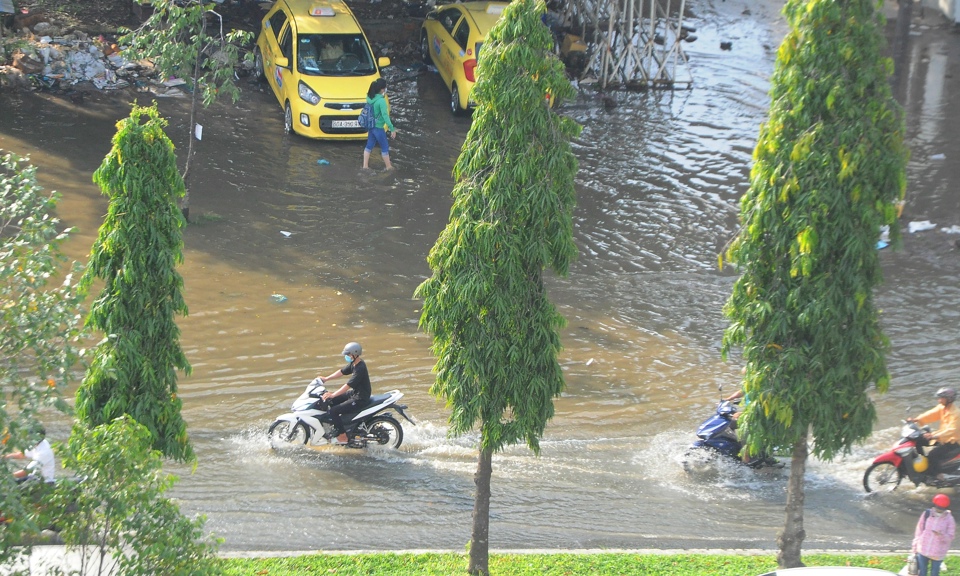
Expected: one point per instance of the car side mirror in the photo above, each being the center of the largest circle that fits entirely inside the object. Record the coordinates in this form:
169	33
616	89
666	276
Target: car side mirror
282	62
383	61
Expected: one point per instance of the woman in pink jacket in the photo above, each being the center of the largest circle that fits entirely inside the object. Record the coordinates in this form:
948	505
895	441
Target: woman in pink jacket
934	533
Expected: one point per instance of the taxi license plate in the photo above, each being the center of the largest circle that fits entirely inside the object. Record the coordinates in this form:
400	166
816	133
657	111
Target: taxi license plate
345	124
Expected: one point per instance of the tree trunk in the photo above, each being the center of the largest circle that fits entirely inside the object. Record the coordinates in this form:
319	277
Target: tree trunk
479	540
901	46
185	204
791	539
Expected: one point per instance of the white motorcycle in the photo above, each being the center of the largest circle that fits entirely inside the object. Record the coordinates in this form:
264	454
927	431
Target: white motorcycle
308	421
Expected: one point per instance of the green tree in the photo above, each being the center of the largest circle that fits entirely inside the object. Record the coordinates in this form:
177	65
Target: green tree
829	169
133	370
117	517
40	329
178	40
495	332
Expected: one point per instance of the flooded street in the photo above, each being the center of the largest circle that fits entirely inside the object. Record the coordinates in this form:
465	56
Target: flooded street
658	189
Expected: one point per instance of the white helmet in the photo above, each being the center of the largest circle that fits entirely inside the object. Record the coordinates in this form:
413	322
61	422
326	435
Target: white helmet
949	393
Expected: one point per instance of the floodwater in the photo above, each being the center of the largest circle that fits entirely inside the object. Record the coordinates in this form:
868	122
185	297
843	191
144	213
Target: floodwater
659	181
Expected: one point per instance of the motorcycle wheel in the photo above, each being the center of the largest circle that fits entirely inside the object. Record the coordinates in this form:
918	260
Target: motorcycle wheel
881	476
385	431
699	460
282	433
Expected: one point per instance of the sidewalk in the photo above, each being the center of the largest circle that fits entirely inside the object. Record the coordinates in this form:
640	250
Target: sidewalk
55	559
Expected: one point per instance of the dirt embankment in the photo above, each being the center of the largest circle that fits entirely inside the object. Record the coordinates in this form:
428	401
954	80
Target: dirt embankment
105	16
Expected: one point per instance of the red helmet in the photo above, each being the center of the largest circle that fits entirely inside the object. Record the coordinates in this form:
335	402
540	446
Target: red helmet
941	501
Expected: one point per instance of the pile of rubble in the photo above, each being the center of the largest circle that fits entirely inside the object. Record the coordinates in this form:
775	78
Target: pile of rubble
45	58
47	55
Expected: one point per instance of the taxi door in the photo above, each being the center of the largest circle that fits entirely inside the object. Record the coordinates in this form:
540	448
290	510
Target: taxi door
444	49
279	45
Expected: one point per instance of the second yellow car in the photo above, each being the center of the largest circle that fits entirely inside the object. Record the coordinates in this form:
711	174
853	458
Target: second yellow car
451	38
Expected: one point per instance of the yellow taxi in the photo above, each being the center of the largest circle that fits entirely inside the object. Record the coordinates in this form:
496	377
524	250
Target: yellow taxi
319	64
450	39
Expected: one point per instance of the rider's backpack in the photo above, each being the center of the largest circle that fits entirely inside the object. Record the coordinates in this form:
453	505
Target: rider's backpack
366	118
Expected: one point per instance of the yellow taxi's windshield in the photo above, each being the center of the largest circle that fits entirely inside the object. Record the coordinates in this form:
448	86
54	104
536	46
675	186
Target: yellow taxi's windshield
334	55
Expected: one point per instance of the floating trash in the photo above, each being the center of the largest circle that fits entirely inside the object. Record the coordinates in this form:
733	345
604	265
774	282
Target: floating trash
920	226
279	298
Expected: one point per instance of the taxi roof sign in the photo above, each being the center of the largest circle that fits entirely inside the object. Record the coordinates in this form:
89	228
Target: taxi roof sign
322	11
495	9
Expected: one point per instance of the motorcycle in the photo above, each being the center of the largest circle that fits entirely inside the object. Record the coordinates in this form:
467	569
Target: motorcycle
309	423
718	435
907	458
46	502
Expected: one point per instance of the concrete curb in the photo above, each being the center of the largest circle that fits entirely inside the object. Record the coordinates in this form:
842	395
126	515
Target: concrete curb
45	559
643	551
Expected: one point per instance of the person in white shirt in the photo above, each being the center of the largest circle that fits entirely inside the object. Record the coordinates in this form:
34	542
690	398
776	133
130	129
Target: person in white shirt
41	458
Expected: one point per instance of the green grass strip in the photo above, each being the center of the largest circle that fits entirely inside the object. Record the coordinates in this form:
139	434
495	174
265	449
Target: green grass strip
618	564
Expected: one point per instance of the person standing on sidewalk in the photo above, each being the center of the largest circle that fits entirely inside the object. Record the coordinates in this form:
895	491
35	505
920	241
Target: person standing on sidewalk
933	536
378	134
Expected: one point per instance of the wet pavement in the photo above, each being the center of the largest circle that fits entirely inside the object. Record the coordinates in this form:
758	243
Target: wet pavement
660	177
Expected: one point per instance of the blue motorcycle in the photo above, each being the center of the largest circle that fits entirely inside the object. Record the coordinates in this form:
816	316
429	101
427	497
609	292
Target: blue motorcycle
718	435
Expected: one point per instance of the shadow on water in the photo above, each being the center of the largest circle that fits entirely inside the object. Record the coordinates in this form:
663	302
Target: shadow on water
658	188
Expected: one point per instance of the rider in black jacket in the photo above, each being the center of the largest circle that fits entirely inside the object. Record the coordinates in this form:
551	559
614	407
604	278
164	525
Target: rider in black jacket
351	395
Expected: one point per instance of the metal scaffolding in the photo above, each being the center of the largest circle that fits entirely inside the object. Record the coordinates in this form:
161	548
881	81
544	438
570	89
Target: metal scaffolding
633	44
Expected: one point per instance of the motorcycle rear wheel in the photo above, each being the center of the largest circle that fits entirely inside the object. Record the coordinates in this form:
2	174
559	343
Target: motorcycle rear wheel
882	476
385	431
283	433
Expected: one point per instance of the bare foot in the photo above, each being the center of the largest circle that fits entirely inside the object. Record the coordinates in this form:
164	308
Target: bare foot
388	168
342	438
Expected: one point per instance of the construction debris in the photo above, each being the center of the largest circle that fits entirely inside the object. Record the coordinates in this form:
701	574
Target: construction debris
41	57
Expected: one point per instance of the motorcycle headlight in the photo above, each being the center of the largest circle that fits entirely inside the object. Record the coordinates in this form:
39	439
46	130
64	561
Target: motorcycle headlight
904	451
307	94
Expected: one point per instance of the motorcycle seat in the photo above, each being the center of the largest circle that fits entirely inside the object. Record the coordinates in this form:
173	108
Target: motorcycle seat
363	405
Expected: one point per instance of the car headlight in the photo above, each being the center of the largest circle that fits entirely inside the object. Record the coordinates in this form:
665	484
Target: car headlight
307	94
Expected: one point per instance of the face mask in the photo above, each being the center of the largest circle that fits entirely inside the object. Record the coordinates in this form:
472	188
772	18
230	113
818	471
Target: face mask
347	358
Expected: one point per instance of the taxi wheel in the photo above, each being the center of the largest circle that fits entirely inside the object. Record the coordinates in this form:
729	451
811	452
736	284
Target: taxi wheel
287	119
258	65
455	100
425	48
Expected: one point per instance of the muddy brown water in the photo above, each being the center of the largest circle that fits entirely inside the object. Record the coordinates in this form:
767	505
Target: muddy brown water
660	177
